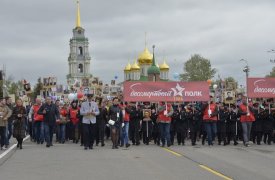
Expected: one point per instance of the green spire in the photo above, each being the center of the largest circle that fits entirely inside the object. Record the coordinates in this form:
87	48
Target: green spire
154	62
153	69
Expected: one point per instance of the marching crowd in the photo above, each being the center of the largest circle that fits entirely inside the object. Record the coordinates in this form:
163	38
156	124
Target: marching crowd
90	122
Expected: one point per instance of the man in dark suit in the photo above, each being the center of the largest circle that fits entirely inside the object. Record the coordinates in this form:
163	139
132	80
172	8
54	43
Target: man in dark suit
51	113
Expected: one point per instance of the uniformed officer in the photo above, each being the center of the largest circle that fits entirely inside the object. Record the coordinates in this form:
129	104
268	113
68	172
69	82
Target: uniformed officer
232	125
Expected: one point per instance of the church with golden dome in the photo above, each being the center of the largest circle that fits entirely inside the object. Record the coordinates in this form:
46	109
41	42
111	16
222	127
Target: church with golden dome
145	68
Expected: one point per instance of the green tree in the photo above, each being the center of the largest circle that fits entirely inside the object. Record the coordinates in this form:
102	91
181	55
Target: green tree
198	68
1	88
37	88
14	88
272	73
230	81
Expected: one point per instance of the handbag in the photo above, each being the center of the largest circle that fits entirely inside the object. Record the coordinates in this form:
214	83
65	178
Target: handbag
111	122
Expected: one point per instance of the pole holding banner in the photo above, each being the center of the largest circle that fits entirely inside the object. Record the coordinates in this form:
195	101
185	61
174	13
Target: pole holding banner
229	111
209	110
218	112
166	109
247	107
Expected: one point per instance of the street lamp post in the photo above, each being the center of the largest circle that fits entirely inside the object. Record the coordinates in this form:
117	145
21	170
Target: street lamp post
272	51
246	70
215	86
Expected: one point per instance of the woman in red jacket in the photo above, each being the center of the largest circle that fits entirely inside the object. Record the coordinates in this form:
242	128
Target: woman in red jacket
74	119
61	124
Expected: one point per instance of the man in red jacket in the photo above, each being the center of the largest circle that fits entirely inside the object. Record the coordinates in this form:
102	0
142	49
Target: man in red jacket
210	121
247	117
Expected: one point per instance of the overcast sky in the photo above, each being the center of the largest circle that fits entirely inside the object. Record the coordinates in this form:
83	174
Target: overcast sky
34	35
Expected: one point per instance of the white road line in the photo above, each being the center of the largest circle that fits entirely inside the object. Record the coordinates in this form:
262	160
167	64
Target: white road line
11	148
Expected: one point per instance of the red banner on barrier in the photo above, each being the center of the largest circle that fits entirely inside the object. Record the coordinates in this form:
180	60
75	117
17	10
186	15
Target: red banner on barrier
166	91
261	87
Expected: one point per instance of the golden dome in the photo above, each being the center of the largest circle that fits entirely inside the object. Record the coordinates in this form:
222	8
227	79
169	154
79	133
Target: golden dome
145	57
128	67
135	66
164	66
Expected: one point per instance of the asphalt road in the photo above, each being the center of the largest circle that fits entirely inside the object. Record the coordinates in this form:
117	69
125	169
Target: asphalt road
70	161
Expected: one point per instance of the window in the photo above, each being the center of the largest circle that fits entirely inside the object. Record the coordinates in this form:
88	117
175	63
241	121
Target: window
80	51
80	68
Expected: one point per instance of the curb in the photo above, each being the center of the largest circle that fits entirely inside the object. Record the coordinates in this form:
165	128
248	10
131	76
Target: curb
9	152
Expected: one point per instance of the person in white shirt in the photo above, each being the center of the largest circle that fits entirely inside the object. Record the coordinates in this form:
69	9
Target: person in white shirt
89	110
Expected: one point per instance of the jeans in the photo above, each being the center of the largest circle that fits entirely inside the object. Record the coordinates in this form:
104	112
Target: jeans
30	129
39	131
48	133
211	130
165	133
8	132
2	135
246	131
125	133
7	142
61	128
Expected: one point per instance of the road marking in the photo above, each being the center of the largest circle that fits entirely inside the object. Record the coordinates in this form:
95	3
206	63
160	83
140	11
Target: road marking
11	148
215	172
173	152
200	165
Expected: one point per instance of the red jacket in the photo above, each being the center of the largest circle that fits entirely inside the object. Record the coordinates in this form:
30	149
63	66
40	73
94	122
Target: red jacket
245	118
63	112
213	108
163	118
73	115
36	116
126	116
